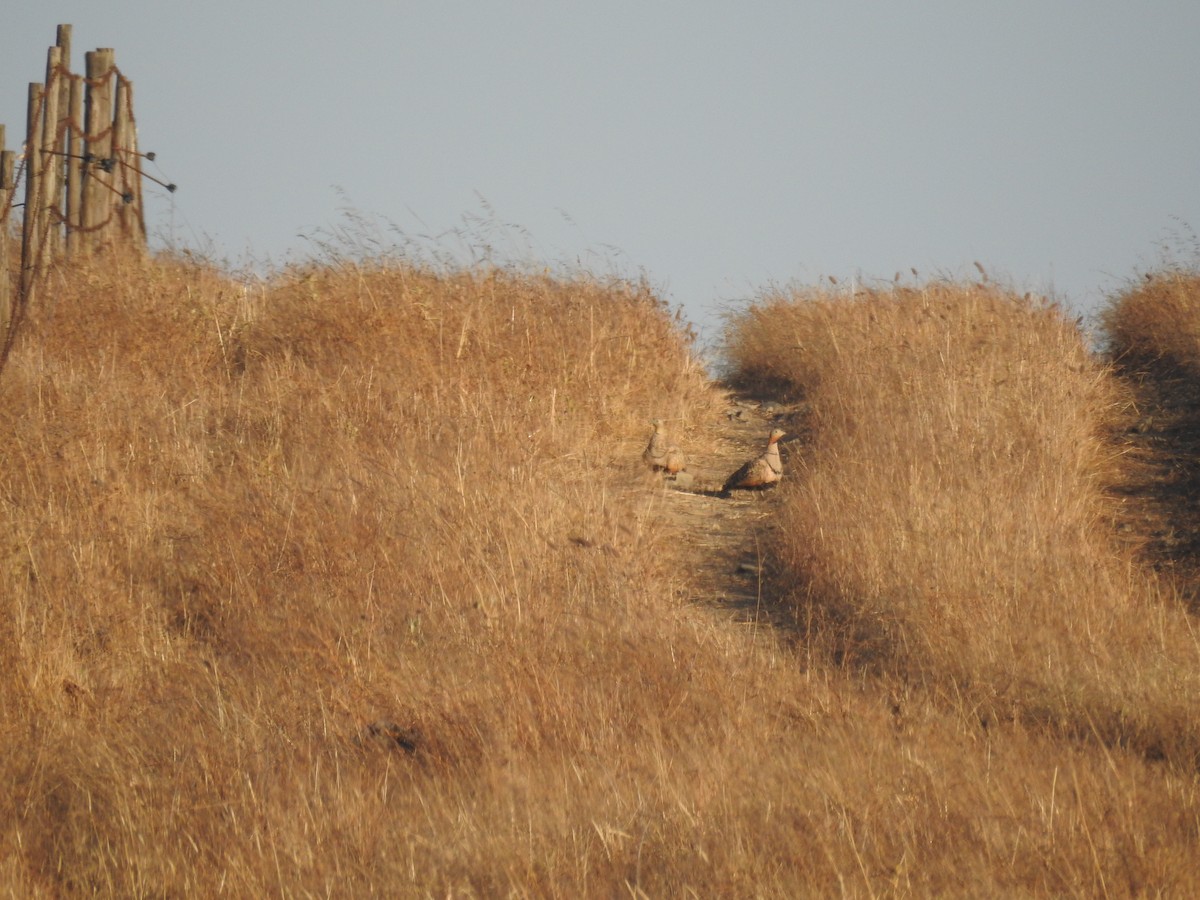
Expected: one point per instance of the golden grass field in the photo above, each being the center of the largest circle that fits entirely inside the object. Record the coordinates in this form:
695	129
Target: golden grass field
240	526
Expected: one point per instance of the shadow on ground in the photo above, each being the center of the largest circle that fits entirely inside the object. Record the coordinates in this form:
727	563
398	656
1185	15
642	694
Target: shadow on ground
730	540
1160	503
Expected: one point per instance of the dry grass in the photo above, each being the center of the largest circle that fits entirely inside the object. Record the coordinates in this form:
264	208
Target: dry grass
240	525
1155	323
952	526
951	536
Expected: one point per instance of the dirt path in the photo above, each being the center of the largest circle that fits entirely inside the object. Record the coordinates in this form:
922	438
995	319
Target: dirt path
1160	504
724	542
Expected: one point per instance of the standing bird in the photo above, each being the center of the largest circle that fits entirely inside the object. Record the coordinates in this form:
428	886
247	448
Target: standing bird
759	473
660	455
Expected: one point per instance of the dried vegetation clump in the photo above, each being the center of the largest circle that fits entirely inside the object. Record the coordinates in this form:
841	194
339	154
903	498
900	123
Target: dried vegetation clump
1154	324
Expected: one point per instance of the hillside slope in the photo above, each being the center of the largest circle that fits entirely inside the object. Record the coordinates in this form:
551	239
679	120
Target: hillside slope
355	582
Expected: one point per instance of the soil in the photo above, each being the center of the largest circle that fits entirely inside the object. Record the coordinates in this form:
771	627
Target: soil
728	539
1160	502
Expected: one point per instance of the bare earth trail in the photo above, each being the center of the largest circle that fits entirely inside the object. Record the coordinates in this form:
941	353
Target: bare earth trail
720	546
1160	505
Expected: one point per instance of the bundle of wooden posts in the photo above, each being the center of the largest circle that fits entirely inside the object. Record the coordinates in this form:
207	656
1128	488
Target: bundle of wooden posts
80	170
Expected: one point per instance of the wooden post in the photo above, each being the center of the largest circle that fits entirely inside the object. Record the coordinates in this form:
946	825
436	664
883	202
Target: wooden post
62	133
135	174
6	177
6	188
64	44
98	183
83	177
75	147
33	185
126	174
49	212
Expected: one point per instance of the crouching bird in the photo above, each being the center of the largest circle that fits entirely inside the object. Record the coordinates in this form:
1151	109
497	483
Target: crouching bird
761	472
660	454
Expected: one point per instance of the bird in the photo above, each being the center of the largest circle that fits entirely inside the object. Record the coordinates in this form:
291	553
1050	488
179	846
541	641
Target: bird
761	472
660	454
389	735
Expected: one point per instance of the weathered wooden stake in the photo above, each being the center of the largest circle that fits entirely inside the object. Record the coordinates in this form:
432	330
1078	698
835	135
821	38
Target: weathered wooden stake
50	150
98	181
33	185
82	171
126	173
135	175
75	145
6	188
62	134
63	42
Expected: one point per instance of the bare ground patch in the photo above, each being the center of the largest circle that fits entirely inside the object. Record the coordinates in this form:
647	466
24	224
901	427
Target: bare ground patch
1160	502
721	547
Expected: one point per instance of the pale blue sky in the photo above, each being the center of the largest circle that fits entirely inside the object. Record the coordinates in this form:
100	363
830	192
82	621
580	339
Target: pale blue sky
717	147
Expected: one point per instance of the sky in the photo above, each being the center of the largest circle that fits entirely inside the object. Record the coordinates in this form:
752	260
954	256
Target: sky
717	149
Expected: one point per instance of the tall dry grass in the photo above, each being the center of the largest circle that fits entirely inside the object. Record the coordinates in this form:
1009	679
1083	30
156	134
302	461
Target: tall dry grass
239	525
1154	324
951	527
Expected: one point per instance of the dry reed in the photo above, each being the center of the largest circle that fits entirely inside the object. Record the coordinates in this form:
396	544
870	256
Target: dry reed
1155	323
